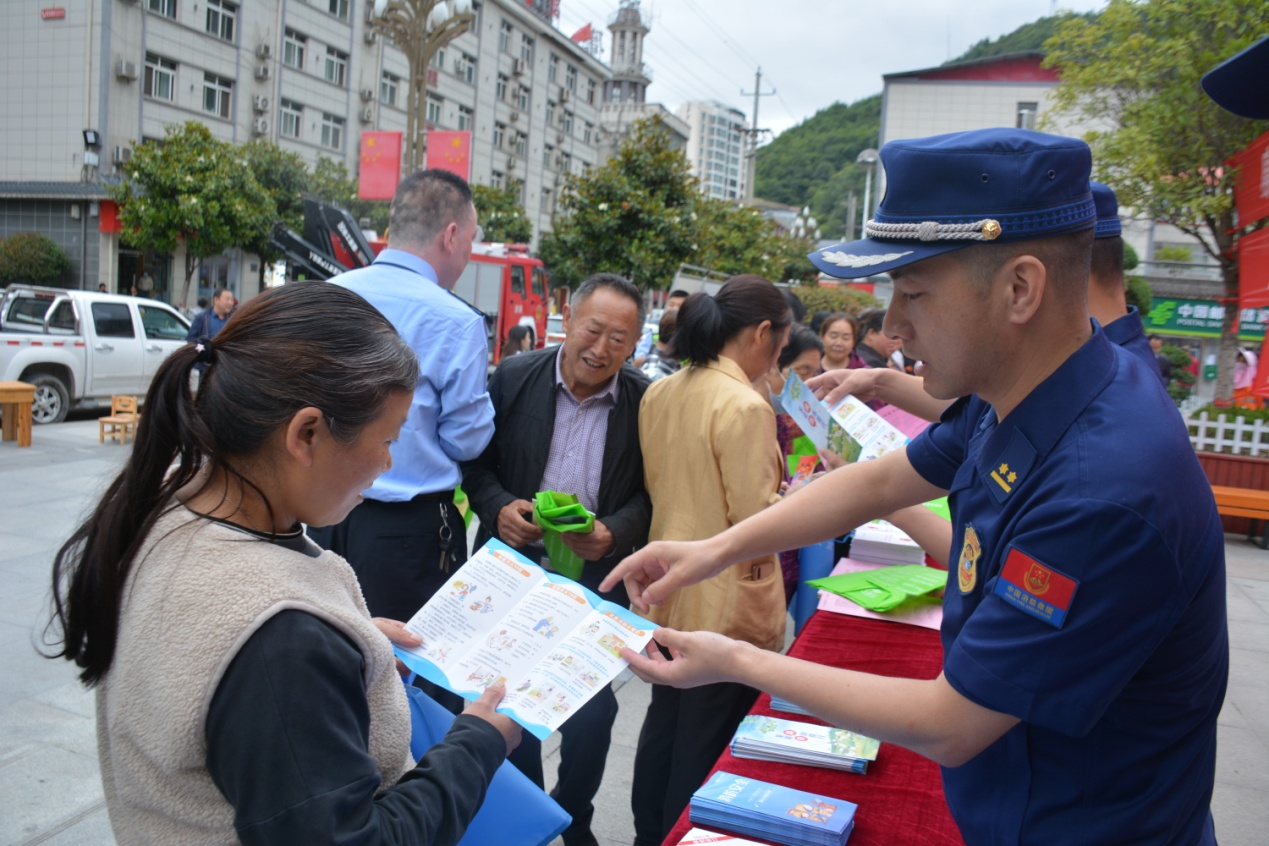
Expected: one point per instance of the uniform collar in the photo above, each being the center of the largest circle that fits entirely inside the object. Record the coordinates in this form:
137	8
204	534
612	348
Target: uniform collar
608	394
1034	427
1123	330
407	261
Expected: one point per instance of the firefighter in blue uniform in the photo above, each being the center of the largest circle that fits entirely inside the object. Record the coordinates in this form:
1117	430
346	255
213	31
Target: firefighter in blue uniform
1085	646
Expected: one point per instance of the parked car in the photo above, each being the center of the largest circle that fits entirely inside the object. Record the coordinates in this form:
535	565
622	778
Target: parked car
554	330
82	347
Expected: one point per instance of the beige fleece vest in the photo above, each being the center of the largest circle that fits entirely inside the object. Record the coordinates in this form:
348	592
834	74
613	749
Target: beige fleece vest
197	592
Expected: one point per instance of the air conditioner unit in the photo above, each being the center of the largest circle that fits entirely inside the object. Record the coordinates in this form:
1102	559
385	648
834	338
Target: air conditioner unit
371	36
560	139
558	162
367	114
564	95
460	65
367	94
515	116
511	163
264	72
260	103
122	155
126	70
260	126
517	67
264	51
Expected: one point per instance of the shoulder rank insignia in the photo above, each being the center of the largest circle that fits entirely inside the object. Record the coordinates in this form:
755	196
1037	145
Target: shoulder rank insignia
1011	467
967	566
1036	588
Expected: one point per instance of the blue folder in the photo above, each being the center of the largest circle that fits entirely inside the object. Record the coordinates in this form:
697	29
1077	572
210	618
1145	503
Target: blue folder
516	812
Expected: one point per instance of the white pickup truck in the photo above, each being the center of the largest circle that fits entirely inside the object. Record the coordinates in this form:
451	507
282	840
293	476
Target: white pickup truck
83	346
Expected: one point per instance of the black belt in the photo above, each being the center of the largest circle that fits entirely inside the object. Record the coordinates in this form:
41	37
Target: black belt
439	496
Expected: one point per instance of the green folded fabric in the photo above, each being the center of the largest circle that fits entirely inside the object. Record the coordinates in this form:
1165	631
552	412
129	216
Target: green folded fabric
884	588
556	513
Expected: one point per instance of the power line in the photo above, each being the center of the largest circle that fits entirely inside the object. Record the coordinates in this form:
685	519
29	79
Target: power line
689	75
744	57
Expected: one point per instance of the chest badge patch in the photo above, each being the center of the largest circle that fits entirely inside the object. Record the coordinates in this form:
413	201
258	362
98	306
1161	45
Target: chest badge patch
967	566
1036	588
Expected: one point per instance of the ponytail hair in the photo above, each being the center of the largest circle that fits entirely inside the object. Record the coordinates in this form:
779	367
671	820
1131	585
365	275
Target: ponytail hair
308	344
706	323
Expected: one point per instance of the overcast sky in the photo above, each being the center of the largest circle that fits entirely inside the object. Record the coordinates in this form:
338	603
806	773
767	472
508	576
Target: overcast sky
812	52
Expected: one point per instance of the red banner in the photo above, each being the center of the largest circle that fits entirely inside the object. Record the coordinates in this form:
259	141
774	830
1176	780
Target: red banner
449	151
108	217
1253	270
1251	193
380	165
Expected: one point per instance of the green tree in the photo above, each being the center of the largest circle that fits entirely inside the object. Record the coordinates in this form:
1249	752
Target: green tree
284	177
634	215
331	183
193	190
501	213
734	240
1135	70
32	257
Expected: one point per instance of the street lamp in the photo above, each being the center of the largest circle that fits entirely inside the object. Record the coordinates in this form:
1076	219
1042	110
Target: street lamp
419	28
867	158
805	226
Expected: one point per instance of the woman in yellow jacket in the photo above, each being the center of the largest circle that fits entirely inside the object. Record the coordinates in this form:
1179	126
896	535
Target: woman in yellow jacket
710	460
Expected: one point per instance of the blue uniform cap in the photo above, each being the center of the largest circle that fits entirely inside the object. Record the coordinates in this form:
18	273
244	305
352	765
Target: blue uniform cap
1108	225
1239	84
948	192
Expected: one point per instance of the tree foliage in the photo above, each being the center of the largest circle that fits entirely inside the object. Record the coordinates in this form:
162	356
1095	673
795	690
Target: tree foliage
193	190
284	177
1135	70
1029	36
836	298
32	257
331	183
501	214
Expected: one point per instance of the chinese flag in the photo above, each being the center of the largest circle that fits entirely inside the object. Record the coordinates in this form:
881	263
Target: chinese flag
449	151
380	165
582	35
1253	270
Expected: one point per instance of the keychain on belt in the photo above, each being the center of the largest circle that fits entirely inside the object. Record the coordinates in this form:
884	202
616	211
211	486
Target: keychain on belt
446	538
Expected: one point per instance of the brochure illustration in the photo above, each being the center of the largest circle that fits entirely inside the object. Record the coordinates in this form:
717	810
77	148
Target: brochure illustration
501	618
850	428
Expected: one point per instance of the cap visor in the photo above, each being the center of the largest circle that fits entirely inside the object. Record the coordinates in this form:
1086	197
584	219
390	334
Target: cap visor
870	256
1239	84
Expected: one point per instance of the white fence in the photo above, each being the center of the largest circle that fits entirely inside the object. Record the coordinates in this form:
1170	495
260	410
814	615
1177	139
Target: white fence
1239	436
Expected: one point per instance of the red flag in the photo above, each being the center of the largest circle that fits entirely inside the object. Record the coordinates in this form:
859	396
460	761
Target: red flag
380	165
1253	270
449	151
583	35
1251	192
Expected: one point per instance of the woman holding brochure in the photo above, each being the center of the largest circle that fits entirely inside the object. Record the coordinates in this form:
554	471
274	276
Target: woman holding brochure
243	692
724	467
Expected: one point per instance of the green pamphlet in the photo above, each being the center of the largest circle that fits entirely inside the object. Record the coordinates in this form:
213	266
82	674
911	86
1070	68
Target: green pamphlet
556	513
885	588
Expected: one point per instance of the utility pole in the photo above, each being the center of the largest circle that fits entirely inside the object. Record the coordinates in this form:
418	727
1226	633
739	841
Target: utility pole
754	133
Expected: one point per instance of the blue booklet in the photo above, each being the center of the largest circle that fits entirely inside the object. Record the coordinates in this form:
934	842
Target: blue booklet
502	618
772	812
792	742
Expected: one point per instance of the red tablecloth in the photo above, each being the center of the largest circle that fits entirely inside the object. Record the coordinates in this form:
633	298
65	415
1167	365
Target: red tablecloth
901	797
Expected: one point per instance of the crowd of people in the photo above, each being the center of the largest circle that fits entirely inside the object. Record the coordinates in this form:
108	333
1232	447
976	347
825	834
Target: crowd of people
233	596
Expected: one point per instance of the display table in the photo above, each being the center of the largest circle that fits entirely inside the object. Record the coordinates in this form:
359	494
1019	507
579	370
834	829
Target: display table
15	404
901	797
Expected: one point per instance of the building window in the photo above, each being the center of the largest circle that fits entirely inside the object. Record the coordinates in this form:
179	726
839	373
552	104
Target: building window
438	60
160	77
504	38
496	179
465	119
522	98
550	113
433	111
332	131
526	50
570	78
166	8
546	200
338	8
548	152
220	19
522	145
388	88
552	68
290	118
587	128
499	136
585	168
336	66
1027	114
590	91
467	71
293	45
566	162
501	90
568	123
216	93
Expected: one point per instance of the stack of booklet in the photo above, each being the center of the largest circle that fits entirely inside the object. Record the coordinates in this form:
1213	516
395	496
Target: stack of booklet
700	837
791	742
778	704
772	812
882	543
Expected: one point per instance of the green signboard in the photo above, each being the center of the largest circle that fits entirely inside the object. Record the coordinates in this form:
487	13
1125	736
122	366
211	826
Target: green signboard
1202	319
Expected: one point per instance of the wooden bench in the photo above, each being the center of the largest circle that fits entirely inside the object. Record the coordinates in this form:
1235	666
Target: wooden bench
1245	502
15	404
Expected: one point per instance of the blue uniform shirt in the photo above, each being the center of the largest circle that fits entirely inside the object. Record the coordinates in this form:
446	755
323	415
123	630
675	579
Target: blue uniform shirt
1086	598
1128	333
451	418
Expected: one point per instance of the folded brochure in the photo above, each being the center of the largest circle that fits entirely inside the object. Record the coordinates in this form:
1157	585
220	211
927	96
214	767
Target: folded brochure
501	618
771	812
764	738
850	428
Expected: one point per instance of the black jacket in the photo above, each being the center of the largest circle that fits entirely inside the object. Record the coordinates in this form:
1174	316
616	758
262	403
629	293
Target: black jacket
511	467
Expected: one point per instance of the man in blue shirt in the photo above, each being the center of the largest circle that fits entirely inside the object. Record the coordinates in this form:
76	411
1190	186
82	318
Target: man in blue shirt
1085	647
1106	301
407	536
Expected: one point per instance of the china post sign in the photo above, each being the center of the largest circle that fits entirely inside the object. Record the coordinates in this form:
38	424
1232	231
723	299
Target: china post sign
1202	319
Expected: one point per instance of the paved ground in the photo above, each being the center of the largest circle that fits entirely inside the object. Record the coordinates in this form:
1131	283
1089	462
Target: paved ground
49	787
